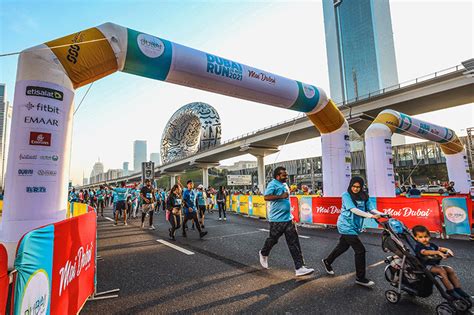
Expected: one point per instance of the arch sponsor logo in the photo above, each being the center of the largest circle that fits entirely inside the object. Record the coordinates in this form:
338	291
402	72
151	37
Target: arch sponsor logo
25	172
47	172
44	92
41	121
36	294
308	91
40	138
455	214
150	46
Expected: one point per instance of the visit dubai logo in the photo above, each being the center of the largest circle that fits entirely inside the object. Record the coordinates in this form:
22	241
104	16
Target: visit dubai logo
150	46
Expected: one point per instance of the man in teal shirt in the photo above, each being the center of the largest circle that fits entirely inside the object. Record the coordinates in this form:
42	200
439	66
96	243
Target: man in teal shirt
281	222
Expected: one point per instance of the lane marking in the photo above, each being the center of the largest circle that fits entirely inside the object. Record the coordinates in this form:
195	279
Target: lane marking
300	236
111	220
230	235
185	251
378	263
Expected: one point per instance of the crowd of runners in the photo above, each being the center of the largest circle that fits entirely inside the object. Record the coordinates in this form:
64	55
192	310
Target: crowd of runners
141	201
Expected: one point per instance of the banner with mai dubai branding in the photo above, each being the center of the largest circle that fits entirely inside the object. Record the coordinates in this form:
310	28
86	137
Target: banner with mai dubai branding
413	211
56	267
326	210
159	59
456	216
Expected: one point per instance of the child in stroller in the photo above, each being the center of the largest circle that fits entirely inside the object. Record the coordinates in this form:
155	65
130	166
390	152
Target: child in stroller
407	272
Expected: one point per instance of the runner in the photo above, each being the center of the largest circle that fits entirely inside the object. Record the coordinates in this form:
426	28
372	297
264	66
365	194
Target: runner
221	200
190	209
121	194
147	196
135	194
201	204
174	204
281	222
100	201
73	196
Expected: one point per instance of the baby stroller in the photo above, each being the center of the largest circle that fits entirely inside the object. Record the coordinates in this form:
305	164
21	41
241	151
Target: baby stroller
406	272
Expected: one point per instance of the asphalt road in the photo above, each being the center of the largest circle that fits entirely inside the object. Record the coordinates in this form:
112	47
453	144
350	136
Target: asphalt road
221	274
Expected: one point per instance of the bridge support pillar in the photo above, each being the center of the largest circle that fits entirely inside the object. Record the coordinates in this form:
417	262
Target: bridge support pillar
205	166
261	173
260	153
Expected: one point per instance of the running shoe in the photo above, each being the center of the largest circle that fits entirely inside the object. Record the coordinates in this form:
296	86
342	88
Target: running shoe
303	271
225	219
220	219
143	225
152	227
328	267
202	234
365	282
125	224
263	260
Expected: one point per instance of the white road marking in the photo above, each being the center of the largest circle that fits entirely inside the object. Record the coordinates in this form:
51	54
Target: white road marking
377	263
185	251
300	236
107	218
230	235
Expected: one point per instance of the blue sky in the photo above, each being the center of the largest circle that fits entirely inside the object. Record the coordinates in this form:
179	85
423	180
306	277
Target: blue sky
286	38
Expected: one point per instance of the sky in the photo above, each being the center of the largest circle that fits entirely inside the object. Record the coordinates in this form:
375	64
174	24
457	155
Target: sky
282	37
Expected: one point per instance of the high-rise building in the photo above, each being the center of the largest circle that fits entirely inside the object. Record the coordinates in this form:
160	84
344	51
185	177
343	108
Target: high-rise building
125	168
139	154
97	169
155	157
359	46
5	123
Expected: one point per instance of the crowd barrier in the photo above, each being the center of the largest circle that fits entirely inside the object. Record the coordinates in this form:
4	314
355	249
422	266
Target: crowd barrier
248	205
55	267
445	215
4	279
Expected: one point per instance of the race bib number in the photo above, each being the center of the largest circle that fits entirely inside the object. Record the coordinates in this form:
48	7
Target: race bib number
148	195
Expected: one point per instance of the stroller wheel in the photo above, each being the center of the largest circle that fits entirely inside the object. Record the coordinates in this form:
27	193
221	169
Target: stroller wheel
461	305
392	296
445	309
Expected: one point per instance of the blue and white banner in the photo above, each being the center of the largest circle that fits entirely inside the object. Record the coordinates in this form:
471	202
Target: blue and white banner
456	216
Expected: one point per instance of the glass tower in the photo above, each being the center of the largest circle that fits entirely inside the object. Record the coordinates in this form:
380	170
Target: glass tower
360	49
139	154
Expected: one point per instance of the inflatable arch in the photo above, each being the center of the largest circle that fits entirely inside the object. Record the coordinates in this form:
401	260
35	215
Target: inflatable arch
48	74
378	148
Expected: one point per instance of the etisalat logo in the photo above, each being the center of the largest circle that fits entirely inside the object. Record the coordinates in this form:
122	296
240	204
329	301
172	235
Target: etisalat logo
44	92
223	67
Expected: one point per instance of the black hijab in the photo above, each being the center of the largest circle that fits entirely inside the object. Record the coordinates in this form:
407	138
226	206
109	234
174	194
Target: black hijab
361	195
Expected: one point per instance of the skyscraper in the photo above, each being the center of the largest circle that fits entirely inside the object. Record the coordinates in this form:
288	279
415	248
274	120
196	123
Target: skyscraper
139	154
125	168
359	45
5	122
97	169
155	157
